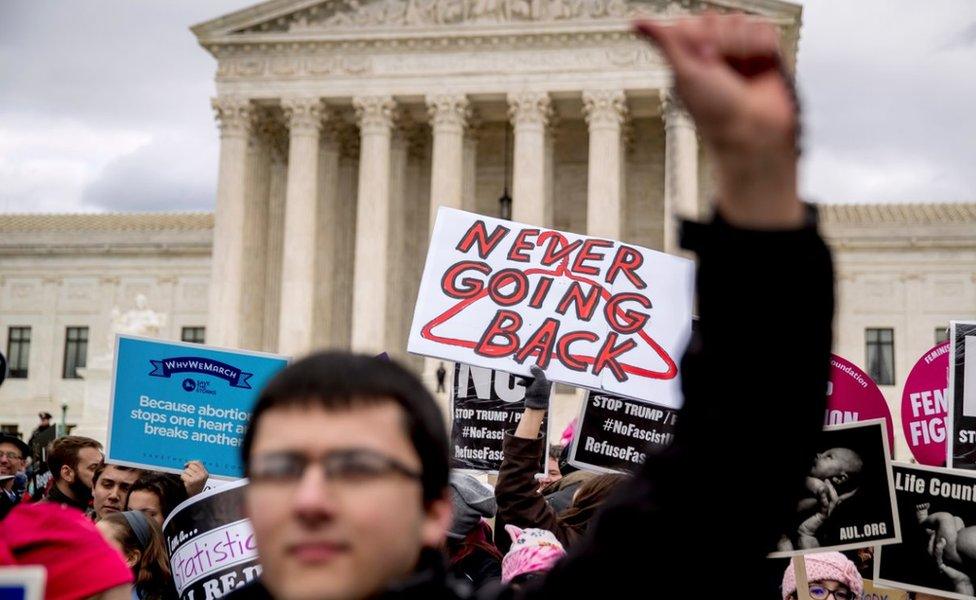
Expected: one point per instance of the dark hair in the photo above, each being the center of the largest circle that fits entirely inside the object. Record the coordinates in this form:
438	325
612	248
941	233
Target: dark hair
564	467
101	469
337	381
554	451
166	486
64	451
153	580
589	497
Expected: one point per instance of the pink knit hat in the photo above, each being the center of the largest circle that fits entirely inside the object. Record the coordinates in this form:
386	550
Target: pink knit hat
832	566
79	561
532	550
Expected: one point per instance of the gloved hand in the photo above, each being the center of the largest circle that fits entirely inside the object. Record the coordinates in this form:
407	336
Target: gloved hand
537	389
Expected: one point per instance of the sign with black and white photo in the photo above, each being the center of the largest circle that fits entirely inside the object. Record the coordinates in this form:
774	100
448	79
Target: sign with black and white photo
937	554
849	499
485	404
962	394
615	434
210	544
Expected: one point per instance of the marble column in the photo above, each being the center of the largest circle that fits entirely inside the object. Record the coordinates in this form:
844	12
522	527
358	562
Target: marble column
469	193
376	115
304	116
449	114
605	112
275	237
680	168
255	234
235	116
346	240
327	248
398	316
529	113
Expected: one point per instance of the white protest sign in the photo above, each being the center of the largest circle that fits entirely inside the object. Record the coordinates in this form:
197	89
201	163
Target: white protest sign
22	583
969	375
591	312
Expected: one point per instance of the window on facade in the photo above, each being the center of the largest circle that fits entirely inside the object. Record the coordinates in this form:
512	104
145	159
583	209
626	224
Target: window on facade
195	335
941	334
880	355
18	351
10	429
75	351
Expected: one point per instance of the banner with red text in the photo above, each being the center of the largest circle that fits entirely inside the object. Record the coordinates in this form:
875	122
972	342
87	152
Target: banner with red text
591	312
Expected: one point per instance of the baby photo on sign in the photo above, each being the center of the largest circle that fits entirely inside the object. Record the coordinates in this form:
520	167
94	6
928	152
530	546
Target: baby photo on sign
849	498
937	554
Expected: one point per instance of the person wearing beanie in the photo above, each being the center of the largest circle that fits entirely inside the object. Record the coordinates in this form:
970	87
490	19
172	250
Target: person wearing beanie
471	552
79	563
828	573
533	553
520	501
13	456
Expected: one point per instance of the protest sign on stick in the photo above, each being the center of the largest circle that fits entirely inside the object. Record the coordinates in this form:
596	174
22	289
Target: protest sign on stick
615	434
925	406
937	553
849	499
962	394
852	396
173	401
211	544
485	404
591	312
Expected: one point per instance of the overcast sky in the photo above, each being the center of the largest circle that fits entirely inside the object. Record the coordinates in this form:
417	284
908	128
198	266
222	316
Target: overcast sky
104	104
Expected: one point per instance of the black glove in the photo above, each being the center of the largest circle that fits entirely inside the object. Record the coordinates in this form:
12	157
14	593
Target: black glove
537	389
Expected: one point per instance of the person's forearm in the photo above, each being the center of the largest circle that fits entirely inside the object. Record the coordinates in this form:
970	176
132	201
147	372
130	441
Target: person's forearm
759	195
531	424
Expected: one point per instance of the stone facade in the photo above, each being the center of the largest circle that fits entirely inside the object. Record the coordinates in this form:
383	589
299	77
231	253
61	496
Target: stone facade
345	124
60	271
905	267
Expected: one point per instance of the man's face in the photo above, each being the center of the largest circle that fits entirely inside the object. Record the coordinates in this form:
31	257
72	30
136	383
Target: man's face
88	461
338	537
11	459
112	488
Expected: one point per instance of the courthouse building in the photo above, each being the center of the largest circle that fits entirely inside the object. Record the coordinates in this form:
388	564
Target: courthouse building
345	124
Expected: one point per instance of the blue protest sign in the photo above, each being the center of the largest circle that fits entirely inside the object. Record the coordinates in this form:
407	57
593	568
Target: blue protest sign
172	402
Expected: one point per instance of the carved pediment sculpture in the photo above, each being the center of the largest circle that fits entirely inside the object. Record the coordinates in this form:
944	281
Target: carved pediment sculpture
342	14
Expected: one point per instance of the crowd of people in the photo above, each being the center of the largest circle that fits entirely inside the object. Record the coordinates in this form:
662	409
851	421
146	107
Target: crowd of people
350	495
122	509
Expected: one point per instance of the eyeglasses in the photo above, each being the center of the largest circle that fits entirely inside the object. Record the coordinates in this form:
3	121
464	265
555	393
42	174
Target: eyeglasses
12	455
341	467
820	592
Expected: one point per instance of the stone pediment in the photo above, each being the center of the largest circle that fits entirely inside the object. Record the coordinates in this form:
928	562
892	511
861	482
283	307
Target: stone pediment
297	16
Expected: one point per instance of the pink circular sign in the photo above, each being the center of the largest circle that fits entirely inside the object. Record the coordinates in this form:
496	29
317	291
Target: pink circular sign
924	406
853	396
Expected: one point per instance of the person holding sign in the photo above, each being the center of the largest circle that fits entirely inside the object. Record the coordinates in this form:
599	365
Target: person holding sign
520	502
350	503
735	471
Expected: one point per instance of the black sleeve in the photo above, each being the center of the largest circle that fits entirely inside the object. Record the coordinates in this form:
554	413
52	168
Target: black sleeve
754	380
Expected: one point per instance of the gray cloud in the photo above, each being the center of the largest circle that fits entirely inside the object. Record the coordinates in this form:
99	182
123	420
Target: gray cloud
887	112
887	88
963	39
148	179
